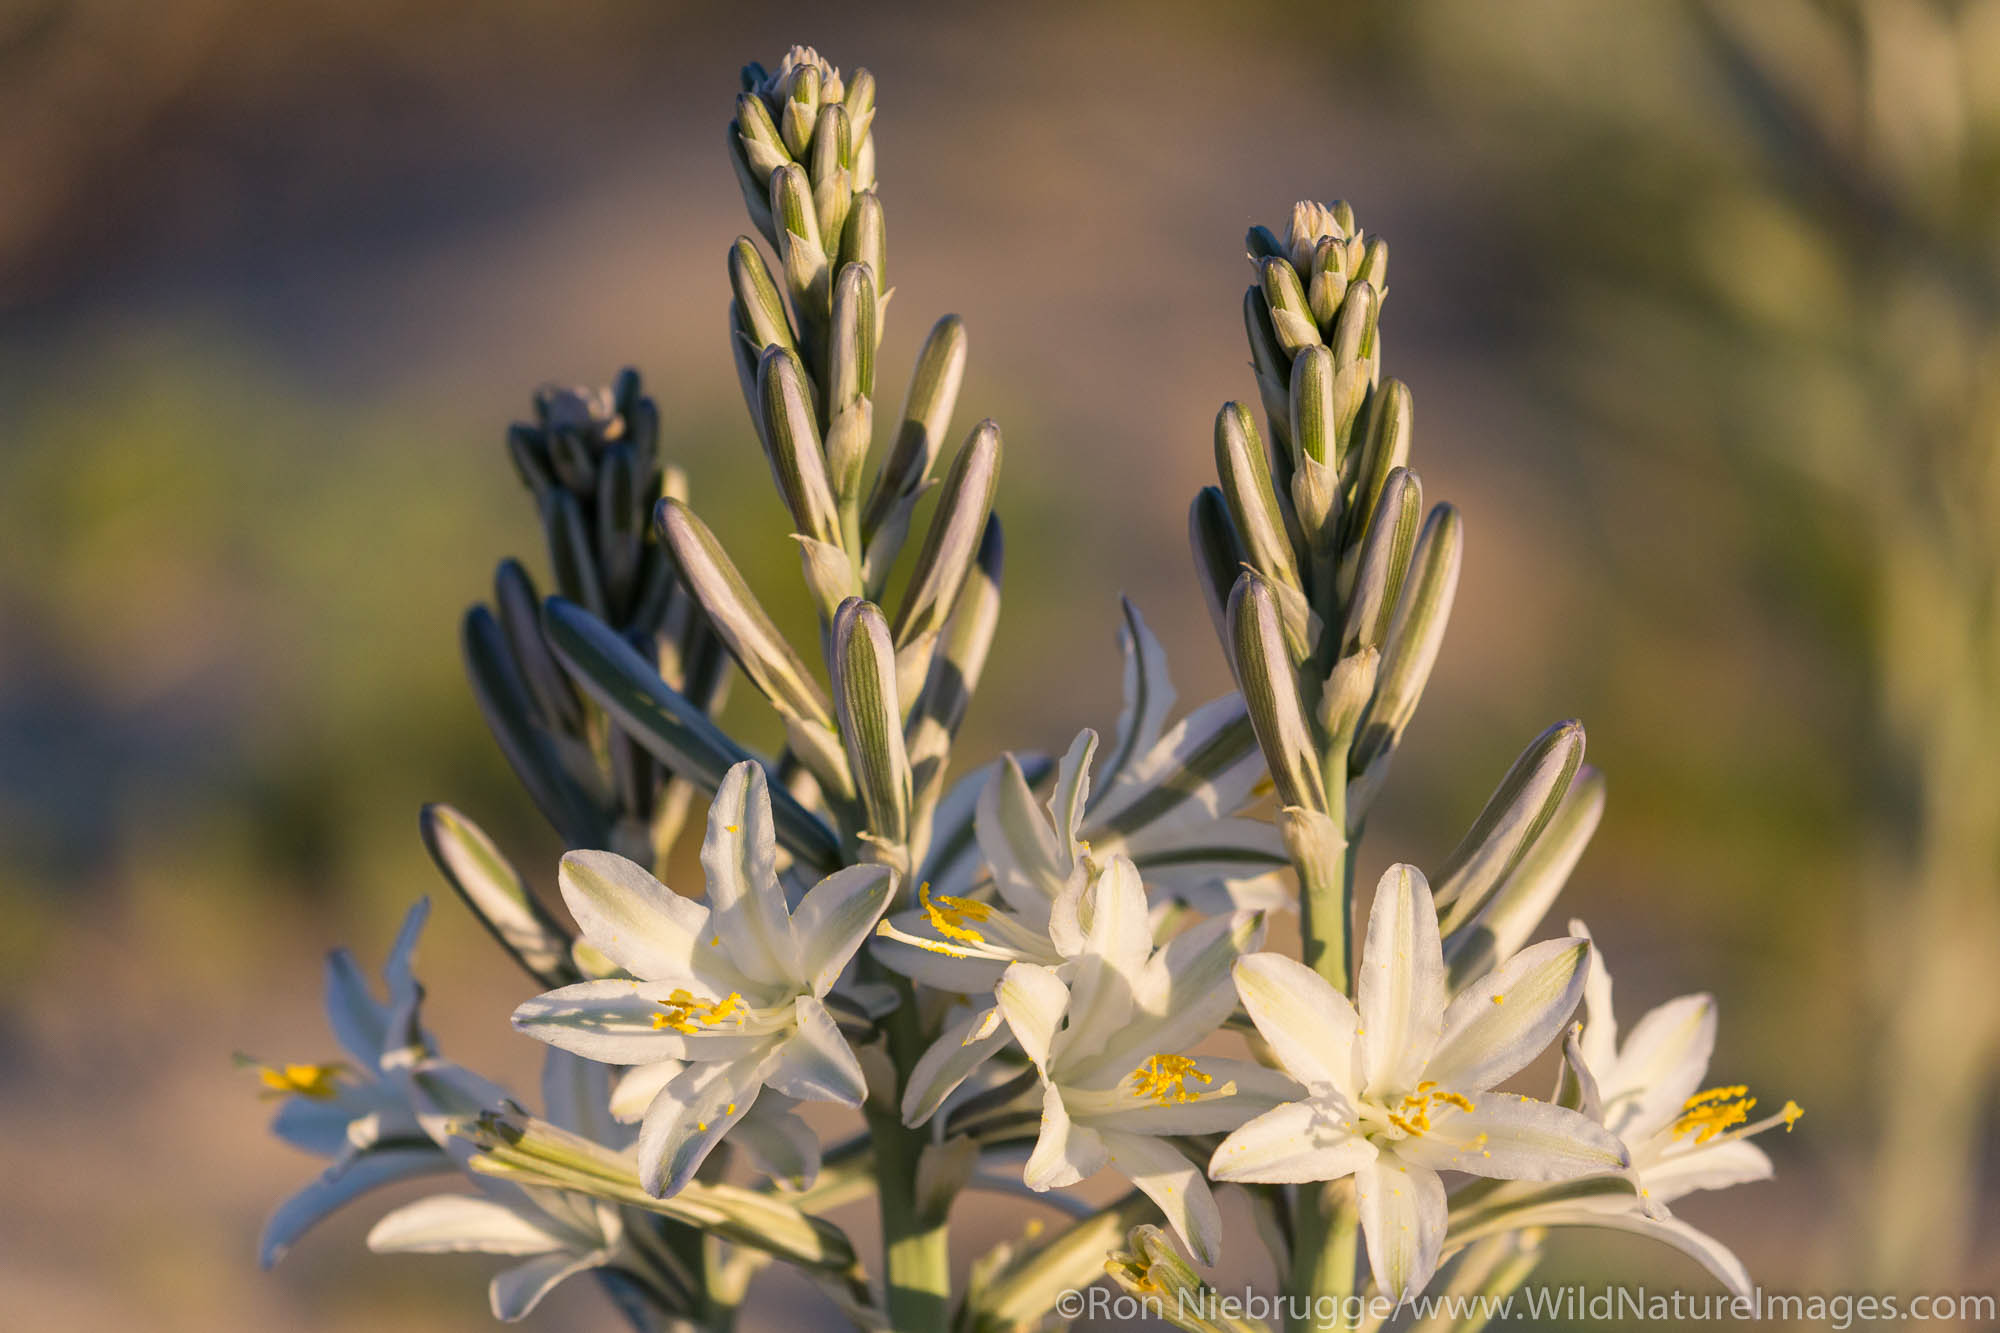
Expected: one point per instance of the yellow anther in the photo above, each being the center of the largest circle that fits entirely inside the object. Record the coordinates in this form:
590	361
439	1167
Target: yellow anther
1413	1113
1790	1114
685	1013
950	916
319	1082
1164	1078
1500	999
1707	1114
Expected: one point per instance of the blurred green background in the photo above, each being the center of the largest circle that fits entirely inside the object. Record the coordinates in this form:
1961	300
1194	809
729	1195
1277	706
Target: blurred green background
1699	307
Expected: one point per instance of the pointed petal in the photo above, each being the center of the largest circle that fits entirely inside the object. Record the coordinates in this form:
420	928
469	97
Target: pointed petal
1403	1219
576	1095
400	971
612	1021
637	1087
1309	1025
1065	1152
935	967
1175	1184
636	921
1186	992
1713	1166
1017	842
1500	1022
359	1021
1703	1248
957	1053
1149	693
1660	1066
1206	766
1401	989
335	1186
516	1291
1223	1094
1515	1138
690	1116
1072	792
458	1223
815	1064
1600	1026
778	1141
1033	1000
739	855
834	918
1292	1144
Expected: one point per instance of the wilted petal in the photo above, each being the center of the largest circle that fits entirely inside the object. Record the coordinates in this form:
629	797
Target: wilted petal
1309	1024
1294	1143
1506	1018
1175	1184
1401	988
451	1223
1514	1138
815	1064
834	918
1403	1220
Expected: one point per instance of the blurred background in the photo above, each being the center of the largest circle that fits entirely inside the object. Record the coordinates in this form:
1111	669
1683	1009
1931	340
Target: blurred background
1701	308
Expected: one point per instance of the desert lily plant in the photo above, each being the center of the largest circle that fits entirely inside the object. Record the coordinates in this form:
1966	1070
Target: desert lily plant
1042	971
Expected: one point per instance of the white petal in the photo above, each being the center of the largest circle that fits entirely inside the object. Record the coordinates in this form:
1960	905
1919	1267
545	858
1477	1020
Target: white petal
1309	1025
1660	1066
1033	1000
1100	1013
400	971
518	1290
1703	1248
339	1183
1506	1018
959	1051
316	1125
953	861
1015	837
1403	1220
1149	692
576	1095
689	1117
1514	1138
778	1141
636	921
1174	1183
1186	991
815	1064
1207	765
739	855
1600	1025
931	967
637	1087
1401	988
834	918
1119	928
1072	791
612	1021
359	1021
1712	1166
452	1223
1252	1090
1292	1144
1065	1152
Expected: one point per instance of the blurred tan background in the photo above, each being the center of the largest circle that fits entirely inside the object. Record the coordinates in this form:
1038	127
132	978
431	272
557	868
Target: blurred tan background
1699	311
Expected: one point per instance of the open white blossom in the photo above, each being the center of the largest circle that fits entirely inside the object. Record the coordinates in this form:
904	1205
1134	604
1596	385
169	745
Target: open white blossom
1110	1048
1398	1086
733	989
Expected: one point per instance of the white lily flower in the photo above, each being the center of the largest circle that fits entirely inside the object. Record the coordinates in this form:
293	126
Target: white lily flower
1110	1046
1399	1084
732	989
1647	1091
555	1233
362	1112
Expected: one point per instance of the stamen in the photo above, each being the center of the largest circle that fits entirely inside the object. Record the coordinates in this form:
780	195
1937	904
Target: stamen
1709	1113
685	1013
1413	1113
1164	1078
949	916
319	1082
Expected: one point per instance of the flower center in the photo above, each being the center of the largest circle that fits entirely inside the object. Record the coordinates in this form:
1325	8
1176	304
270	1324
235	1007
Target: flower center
1164	1078
1412	1114
1719	1110
949	916
684	1012
319	1082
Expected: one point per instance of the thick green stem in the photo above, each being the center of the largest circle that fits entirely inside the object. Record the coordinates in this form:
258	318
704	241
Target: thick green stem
916	1248
1325	1229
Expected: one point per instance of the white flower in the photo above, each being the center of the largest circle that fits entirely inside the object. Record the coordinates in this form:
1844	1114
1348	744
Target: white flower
1398	1088
555	1232
1110	1047
733	989
1312	222
362	1113
1647	1091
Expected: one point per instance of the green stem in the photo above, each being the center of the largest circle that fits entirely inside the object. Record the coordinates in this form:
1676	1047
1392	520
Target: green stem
916	1248
1325	1229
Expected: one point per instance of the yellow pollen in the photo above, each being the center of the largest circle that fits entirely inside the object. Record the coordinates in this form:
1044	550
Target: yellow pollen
1707	1114
949	916
1164	1078
319	1082
731	1110
1500	999
685	1013
1791	1113
1413	1113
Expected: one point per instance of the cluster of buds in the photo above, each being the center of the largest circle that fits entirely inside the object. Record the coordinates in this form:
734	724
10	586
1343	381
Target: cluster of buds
591	459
